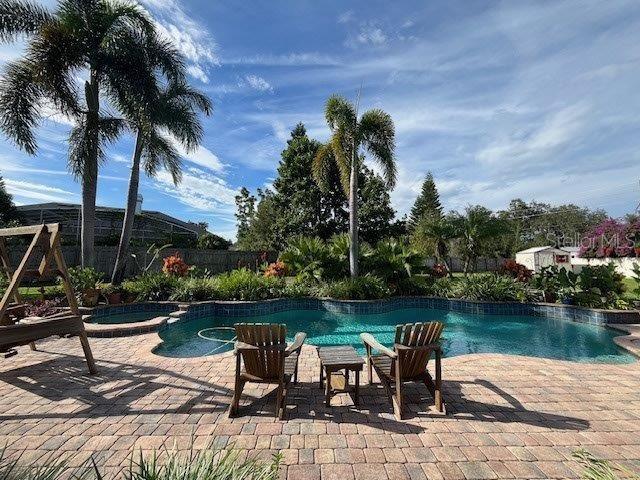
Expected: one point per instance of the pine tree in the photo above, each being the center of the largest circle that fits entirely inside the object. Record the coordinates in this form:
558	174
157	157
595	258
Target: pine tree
427	203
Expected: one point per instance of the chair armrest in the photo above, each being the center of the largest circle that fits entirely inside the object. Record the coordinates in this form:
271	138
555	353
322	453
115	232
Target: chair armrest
298	341
431	346
369	340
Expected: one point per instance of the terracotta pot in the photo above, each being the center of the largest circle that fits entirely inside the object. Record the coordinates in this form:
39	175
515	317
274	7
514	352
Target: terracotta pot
550	297
90	297
129	298
114	298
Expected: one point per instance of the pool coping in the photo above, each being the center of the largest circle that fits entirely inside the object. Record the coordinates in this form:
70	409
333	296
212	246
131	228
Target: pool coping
132	328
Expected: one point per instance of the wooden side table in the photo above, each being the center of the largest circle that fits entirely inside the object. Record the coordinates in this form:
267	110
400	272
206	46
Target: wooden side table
332	361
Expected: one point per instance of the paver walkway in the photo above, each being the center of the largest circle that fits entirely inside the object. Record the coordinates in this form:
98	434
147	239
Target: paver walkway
512	417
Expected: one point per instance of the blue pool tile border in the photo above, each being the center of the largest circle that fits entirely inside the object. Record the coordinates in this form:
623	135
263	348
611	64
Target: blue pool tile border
267	307
106	310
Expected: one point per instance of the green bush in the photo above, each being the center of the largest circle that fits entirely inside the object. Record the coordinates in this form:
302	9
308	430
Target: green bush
211	241
413	287
298	288
443	287
151	287
391	261
244	284
83	279
490	287
360	288
194	289
307	258
600	287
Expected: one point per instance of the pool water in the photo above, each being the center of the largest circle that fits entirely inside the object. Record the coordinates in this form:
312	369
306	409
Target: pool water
133	317
463	333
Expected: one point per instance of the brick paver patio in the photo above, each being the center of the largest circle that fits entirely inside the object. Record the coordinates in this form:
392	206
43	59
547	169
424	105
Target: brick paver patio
510	417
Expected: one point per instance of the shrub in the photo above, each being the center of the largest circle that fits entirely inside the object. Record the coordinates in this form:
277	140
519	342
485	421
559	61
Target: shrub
151	287
194	290
210	241
600	287
244	284
360	288
83	279
491	287
413	287
392	261
276	269
42	308
611	239
438	270
516	270
175	266
442	287
307	257
298	289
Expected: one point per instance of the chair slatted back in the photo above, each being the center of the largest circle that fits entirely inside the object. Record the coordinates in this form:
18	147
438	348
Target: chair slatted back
414	362
268	361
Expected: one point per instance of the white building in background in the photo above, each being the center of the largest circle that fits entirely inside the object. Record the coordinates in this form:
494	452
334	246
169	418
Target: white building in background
537	257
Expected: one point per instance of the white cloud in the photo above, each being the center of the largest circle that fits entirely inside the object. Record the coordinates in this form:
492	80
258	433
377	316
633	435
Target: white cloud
200	190
284	60
202	156
369	34
346	17
197	72
37	191
191	38
257	83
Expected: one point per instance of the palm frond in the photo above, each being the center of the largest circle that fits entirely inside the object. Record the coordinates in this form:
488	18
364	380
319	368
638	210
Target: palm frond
339	112
186	93
159	152
20	98
163	55
321	165
88	141
19	18
342	155
377	134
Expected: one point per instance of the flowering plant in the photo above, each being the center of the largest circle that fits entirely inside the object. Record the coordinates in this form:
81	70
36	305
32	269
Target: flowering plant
610	239
175	266
42	308
516	270
439	270
276	269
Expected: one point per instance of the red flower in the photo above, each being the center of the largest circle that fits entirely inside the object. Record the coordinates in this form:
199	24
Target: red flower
175	266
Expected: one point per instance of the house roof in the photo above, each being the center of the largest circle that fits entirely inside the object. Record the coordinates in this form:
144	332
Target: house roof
541	249
193	227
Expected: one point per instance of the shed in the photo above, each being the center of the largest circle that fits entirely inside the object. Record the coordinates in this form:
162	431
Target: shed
537	257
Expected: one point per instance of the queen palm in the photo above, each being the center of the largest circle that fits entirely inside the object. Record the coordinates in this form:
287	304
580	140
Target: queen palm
373	132
174	110
104	41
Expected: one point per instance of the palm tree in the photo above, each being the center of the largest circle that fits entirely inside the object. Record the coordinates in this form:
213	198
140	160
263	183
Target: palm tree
174	110
374	131
440	230
474	229
104	40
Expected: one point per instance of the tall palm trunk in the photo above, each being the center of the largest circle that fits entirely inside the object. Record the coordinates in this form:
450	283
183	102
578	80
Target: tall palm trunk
90	172
353	218
129	214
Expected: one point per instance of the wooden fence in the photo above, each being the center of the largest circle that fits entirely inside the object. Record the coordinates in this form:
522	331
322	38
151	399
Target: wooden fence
215	261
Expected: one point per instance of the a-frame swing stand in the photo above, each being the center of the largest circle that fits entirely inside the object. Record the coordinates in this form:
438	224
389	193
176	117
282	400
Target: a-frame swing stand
46	241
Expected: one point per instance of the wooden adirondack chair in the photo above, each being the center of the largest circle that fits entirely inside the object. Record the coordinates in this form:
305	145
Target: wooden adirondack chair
46	251
262	347
407	362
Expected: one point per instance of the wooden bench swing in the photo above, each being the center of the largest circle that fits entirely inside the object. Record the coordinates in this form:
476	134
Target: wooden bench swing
15	332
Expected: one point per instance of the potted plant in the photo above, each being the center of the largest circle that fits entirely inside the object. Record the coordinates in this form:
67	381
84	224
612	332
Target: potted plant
112	294
85	282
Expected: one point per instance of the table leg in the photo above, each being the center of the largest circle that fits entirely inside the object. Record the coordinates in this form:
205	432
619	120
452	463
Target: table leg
327	392
346	378
321	376
356	400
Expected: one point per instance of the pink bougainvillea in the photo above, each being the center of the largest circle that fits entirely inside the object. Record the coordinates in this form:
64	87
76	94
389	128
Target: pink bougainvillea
611	238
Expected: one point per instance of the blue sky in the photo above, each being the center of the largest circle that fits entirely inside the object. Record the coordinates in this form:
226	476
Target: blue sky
537	100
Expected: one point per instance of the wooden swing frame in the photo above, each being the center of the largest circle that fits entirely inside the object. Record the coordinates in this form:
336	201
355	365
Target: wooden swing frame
46	238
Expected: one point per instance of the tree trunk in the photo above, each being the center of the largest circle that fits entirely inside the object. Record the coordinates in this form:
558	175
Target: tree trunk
129	214
353	218
90	173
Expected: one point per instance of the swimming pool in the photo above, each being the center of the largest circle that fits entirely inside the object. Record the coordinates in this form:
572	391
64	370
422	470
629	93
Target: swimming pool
464	333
